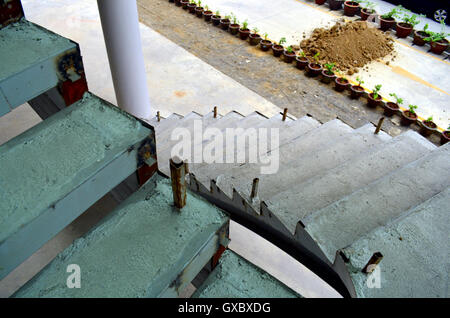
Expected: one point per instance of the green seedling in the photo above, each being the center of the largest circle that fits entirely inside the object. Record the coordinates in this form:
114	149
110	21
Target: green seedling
412	108
398	100
412	19
245	25
429	119
218	13
234	18
199	3
330	68
228	17
282	41
375	91
206	8
289	49
302	54
265	36
359	80
437	37
394	13
316	57
369	6
255	30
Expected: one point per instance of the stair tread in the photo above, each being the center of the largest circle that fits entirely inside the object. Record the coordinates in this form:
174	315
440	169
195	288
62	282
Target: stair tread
235	277
297	202
136	251
344	221
414	250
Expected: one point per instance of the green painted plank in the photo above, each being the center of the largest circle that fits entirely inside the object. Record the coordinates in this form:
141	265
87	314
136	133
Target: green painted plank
234	277
136	251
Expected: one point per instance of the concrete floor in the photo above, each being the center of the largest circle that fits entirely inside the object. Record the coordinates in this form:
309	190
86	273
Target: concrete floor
197	87
420	78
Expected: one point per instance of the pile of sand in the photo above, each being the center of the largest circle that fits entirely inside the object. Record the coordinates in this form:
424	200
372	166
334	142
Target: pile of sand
350	45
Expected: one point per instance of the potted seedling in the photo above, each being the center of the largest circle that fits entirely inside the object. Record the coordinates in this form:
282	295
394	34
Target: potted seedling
216	18
405	28
178	3
277	48
254	38
367	9
225	22
351	7
328	73
244	31
320	2
199	9
427	127
390	108
341	84
207	14
335	4
357	90
387	20
374	98
289	54
445	136
419	36
265	44
438	41
409	116
314	68
301	61
234	26
184	4
191	7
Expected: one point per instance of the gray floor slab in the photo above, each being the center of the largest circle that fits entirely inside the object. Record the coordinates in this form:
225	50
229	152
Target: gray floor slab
135	250
234	277
379	202
299	201
415	254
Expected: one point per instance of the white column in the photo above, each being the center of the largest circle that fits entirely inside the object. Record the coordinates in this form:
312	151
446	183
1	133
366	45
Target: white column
120	26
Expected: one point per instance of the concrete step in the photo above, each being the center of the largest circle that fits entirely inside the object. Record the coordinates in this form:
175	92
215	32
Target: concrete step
415	253
54	171
317	138
234	277
161	126
299	201
307	165
345	221
206	172
164	135
141	249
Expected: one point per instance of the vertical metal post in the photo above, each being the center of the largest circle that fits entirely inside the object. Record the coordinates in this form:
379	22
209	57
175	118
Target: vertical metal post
120	26
380	123
158	115
177	175
254	188
215	111
374	260
285	114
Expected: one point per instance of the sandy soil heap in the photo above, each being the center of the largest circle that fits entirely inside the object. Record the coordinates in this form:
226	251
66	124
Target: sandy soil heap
350	45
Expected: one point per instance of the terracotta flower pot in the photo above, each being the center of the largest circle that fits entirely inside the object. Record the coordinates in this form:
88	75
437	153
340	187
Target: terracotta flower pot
419	37
373	102
254	39
277	49
320	2
427	128
351	8
408	118
356	91
439	47
288	57
244	33
199	12
234	28
265	45
313	69
178	3
184	4
335	4
301	62
224	24
386	24
390	109
341	84
327	77
403	29
191	7
207	15
365	13
215	20
445	137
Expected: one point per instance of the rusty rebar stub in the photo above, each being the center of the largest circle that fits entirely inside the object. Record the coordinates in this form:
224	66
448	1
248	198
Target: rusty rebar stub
254	188
380	123
158	116
373	262
284	114
215	111
178	178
